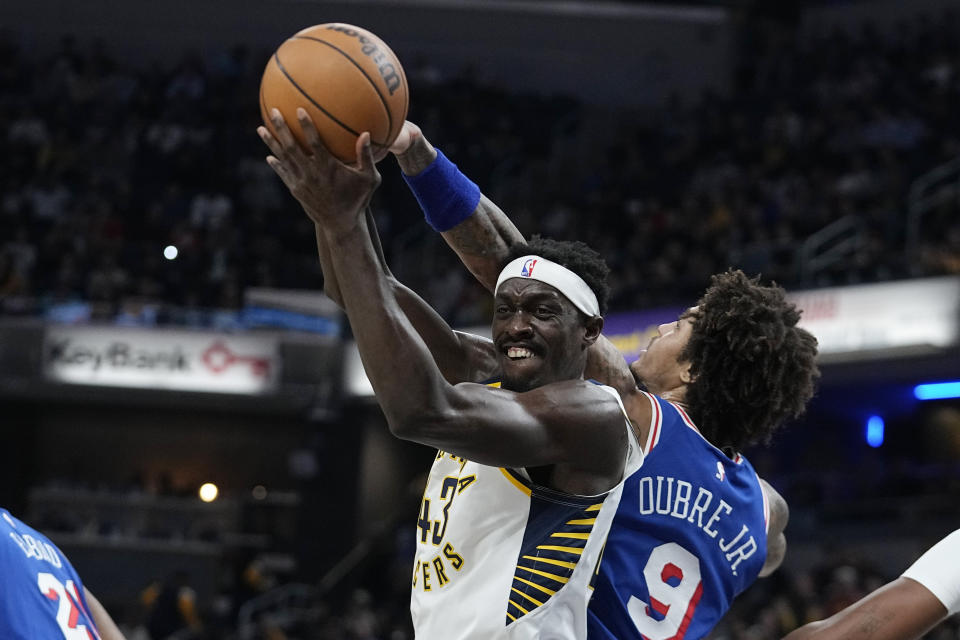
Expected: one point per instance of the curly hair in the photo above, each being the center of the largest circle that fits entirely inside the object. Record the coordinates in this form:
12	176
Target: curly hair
572	254
752	367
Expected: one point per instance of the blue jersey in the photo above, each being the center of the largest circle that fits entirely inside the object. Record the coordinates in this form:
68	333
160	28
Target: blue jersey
689	535
41	596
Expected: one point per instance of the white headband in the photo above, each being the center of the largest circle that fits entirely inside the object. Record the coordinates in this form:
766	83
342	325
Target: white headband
557	276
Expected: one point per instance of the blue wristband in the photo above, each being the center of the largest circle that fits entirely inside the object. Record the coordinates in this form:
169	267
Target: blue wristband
446	196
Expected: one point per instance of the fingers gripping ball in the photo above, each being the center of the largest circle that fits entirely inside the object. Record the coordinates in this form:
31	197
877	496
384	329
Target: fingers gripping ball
346	78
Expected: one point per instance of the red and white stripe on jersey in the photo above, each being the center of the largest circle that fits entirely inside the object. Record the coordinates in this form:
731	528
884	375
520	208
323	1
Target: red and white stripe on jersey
656	424
685	417
766	506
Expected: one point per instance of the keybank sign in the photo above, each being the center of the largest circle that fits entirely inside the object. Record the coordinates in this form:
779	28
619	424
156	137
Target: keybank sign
175	360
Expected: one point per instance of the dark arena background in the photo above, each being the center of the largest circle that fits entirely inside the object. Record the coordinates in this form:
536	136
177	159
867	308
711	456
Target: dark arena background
183	412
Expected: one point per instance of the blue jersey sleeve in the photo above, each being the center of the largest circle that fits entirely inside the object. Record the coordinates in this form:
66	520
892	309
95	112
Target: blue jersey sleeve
41	595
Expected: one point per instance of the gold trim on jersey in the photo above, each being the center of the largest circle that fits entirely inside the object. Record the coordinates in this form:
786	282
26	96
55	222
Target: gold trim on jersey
509	475
550	547
559	563
546	568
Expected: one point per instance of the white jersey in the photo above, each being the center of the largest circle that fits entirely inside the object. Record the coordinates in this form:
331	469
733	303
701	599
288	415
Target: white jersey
500	557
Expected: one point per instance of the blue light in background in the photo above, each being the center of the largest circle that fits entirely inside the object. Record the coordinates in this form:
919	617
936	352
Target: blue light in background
875	431
937	390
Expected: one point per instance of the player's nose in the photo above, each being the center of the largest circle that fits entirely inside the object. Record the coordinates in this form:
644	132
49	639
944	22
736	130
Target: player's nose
519	324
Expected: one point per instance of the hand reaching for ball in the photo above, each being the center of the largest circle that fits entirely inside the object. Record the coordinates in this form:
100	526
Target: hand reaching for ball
413	151
333	194
409	133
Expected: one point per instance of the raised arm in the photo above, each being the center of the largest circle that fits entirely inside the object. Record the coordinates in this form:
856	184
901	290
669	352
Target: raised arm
572	423
462	357
484	238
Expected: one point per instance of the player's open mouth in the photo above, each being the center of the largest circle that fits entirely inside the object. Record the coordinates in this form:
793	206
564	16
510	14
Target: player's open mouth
519	353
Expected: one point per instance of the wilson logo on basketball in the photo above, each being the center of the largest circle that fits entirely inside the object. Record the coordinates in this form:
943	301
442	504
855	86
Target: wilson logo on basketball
373	51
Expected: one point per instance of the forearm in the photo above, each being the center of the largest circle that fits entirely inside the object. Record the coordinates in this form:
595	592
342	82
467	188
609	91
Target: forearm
401	370
901	610
458	362
483	239
330	285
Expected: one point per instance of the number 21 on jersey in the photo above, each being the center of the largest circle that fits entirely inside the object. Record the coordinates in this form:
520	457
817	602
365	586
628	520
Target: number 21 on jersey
673	582
69	612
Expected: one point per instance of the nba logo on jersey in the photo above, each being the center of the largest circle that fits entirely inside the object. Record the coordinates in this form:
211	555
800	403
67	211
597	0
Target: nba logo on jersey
720	471
527	270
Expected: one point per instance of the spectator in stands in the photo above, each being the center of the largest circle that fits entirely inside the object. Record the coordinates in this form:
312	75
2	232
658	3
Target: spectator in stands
172	608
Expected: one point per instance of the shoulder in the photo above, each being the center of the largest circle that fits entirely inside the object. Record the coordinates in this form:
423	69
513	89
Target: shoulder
583	410
778	511
582	394
777	516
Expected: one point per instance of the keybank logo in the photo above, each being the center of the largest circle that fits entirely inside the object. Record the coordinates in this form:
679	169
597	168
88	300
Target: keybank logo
116	355
121	355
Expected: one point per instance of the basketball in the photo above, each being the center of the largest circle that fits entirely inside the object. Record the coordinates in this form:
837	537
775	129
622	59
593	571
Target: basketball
346	78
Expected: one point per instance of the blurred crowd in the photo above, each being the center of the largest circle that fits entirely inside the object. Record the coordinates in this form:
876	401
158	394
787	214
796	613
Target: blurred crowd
106	164
768	610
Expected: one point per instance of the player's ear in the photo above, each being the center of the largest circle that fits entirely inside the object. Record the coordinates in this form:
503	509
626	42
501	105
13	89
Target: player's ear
592	328
686	377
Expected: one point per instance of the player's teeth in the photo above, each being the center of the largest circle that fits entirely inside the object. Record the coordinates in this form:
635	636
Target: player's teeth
517	352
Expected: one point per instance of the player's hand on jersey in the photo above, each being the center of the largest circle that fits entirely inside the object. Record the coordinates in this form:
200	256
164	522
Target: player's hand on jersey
333	194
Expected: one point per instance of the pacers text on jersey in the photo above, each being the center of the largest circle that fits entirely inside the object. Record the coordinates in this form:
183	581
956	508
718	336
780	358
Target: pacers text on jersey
437	571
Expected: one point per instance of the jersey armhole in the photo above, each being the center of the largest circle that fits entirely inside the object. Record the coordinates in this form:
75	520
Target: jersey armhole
656	424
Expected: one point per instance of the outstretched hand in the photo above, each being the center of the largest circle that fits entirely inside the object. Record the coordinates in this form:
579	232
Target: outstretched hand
333	194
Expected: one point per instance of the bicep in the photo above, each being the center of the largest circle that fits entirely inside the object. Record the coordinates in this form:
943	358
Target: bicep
568	423
480	358
460	357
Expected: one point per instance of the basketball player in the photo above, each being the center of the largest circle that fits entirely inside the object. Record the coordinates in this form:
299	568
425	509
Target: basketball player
528	476
904	609
696	525
743	549
41	595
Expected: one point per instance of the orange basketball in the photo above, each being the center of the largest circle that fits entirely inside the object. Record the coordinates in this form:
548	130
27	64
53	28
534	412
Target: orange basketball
347	79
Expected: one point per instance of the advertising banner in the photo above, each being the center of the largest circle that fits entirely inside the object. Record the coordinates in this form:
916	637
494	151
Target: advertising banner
869	319
161	359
